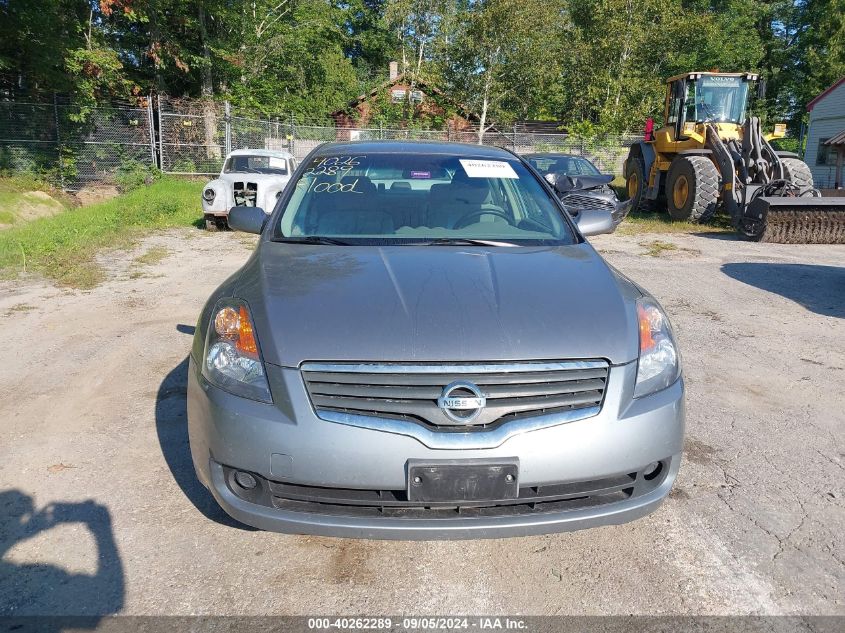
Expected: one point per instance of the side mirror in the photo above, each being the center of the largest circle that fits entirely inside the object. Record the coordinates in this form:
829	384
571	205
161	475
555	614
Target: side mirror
247	219
594	222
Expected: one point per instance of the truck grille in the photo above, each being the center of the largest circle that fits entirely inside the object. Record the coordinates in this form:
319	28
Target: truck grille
413	391
245	194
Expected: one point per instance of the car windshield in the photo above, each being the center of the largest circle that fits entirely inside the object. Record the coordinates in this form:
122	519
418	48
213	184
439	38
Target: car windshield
717	98
569	165
419	197
256	165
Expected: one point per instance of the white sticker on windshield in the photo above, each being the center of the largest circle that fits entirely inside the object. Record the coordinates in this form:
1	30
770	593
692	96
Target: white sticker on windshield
487	168
278	163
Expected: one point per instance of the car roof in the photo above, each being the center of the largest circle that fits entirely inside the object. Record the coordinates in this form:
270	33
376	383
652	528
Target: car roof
277	153
414	147
553	155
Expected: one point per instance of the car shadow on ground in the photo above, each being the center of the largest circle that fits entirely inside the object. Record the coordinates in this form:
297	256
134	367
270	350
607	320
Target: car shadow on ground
820	289
725	236
172	428
44	596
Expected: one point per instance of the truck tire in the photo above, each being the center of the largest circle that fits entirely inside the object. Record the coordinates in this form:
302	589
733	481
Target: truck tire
635	185
796	171
692	188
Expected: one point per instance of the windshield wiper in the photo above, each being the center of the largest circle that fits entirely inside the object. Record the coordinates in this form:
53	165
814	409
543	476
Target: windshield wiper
461	241
313	239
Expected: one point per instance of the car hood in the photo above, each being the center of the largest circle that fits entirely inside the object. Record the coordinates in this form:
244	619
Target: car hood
260	179
437	303
574	184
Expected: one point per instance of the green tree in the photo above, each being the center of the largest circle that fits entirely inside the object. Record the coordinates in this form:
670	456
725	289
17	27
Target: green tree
497	55
58	46
818	56
624	50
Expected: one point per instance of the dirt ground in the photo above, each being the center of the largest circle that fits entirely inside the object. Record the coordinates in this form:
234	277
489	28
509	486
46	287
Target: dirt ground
100	511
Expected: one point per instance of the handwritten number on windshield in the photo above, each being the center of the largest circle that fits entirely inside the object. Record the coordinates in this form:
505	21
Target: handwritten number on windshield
333	165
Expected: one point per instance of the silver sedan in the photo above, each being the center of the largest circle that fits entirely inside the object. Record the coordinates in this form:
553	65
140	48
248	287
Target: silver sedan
423	345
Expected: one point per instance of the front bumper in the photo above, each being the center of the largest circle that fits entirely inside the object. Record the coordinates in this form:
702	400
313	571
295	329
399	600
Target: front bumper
286	442
621	211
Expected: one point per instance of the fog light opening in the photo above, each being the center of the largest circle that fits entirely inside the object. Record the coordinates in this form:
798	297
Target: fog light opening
245	480
652	471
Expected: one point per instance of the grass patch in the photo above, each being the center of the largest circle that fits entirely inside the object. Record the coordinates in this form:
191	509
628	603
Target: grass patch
22	183
152	256
657	248
7	217
19	307
64	247
638	223
14	183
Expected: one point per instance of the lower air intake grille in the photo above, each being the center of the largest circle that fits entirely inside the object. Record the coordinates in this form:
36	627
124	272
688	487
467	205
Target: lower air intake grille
556	497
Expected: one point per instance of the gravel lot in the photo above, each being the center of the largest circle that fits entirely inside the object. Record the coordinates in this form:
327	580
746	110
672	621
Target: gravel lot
100	511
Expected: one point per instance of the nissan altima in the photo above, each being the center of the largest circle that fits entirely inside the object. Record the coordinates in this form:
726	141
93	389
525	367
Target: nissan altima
423	345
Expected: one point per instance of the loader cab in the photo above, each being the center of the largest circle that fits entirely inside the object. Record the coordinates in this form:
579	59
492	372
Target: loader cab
697	98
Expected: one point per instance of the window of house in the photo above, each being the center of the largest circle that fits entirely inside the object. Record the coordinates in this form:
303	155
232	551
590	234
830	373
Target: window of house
826	154
397	96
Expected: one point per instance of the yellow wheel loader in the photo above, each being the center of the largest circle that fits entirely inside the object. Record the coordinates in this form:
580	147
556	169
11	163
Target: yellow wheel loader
709	153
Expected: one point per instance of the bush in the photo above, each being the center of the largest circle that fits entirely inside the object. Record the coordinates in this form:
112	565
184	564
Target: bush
132	174
38	162
184	165
787	144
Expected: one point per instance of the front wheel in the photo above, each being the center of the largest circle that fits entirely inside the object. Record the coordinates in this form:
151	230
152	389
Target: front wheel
213	223
636	185
692	188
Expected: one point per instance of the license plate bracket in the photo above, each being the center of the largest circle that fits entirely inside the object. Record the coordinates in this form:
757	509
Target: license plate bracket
463	480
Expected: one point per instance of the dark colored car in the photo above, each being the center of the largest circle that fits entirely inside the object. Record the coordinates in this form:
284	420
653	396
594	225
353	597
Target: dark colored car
579	184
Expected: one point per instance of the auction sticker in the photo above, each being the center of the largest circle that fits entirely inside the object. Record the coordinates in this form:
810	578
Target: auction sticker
487	168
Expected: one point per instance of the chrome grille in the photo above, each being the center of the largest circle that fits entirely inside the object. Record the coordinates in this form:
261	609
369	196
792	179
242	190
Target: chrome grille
411	391
590	203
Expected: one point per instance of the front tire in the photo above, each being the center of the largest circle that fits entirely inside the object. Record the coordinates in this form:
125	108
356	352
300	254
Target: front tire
692	188
213	223
636	184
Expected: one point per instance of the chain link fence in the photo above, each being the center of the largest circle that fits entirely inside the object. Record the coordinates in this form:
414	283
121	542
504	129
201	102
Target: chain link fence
74	147
192	137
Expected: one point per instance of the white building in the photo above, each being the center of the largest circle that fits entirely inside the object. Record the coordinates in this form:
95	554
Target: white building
825	153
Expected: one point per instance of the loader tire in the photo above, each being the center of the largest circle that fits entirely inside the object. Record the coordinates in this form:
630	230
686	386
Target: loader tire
635	184
692	188
796	171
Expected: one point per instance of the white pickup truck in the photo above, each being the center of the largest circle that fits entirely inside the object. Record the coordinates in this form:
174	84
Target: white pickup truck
250	177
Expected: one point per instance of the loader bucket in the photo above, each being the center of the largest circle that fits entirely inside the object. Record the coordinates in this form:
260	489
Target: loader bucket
795	220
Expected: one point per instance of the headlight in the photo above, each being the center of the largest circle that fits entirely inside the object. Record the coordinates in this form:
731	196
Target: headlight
232	360
659	365
208	195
